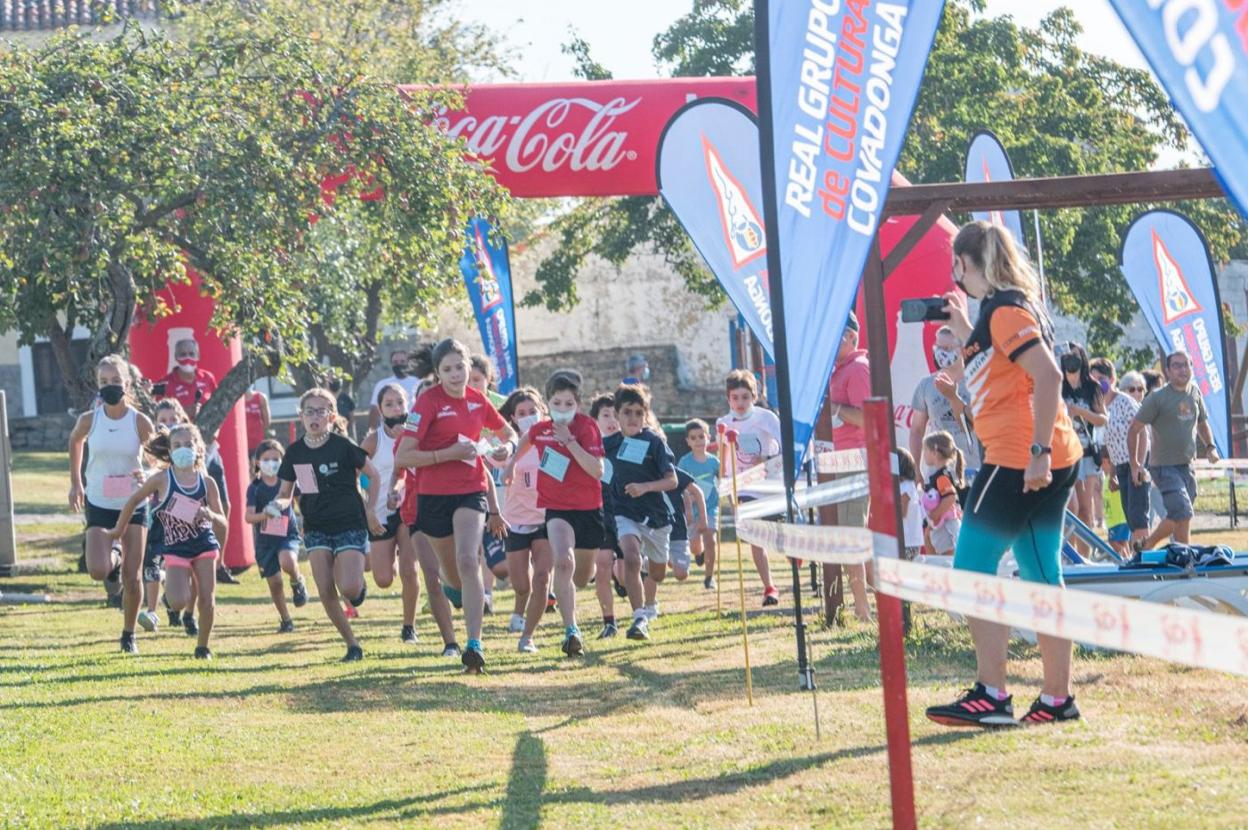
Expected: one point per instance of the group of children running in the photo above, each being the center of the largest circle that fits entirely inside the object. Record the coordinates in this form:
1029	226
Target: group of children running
550	489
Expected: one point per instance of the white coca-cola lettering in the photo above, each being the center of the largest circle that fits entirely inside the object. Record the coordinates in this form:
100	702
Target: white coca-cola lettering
535	141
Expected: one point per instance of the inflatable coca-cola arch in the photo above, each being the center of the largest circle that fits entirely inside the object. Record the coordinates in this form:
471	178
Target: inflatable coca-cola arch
592	138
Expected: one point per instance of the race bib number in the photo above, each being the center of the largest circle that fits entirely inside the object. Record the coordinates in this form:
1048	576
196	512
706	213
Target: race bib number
276	527
554	464
305	477
184	509
633	451
118	487
750	444
608	472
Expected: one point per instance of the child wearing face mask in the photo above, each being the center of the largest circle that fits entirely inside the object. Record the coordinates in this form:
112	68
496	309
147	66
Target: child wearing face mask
191	520
277	538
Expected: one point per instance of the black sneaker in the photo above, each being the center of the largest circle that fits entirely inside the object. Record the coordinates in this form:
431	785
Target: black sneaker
700	559
299	593
639	630
551	603
114	600
203	653
408	634
127	643
287	627
358	601
609	630
189	625
975	708
224	577
175	618
620	590
473	660
709	583
573	646
1041	712
451	650
354	654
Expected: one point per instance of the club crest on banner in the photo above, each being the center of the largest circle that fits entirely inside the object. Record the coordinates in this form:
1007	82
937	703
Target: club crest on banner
743	230
1176	297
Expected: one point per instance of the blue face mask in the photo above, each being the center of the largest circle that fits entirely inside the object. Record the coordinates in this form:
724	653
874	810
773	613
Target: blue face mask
183	457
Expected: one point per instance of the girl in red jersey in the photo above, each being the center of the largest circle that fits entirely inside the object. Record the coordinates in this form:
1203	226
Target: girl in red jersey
455	502
570	467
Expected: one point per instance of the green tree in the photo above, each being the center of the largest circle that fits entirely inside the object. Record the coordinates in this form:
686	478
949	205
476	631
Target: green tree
122	159
1058	109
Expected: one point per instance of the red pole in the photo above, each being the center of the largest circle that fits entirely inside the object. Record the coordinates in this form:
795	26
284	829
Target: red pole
878	424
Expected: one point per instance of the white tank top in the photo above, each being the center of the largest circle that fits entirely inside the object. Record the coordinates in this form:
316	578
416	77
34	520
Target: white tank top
383	460
113	449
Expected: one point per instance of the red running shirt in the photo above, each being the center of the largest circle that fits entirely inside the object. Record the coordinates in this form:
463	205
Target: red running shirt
578	490
193	393
436	422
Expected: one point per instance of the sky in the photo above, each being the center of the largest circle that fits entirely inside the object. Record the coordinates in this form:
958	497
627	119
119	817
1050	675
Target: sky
620	34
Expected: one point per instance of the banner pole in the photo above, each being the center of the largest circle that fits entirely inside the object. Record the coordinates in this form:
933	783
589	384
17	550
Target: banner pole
745	633
1044	285
719	521
775	282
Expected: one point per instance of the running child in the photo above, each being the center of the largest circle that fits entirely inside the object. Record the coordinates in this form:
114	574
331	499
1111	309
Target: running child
682	502
759	431
191	521
113	434
483	378
570	454
609	564
529	558
168	413
456	500
911	509
705	469
277	538
642	470
326	466
380	444
940	496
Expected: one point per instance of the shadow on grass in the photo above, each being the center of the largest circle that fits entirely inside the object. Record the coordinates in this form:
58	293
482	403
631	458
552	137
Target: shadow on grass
522	806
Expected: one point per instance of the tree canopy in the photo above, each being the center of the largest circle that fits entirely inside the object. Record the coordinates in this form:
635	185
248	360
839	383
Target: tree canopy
1058	109
124	159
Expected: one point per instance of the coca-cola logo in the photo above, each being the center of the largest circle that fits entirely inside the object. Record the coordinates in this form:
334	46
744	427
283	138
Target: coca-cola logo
549	136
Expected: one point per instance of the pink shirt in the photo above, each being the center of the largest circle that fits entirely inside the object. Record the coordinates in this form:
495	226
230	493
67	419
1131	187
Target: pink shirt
520	498
850	385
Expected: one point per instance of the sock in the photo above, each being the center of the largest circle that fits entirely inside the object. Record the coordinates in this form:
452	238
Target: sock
1050	700
474	645
608	620
995	693
571	629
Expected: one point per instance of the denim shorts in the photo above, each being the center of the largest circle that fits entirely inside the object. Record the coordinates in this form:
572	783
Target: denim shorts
1177	486
354	539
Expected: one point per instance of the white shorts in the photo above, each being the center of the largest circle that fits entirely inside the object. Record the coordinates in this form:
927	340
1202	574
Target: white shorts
655	541
679	554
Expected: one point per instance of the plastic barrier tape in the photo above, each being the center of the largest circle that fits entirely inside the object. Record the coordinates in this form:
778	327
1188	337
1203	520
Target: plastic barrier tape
830	492
841	461
830	545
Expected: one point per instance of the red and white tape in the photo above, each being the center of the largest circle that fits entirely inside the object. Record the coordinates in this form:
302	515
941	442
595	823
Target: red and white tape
838	462
1179	635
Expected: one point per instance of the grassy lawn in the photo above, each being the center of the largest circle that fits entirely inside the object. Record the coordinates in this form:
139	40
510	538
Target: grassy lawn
276	733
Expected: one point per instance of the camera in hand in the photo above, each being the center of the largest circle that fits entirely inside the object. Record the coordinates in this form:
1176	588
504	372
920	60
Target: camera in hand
923	309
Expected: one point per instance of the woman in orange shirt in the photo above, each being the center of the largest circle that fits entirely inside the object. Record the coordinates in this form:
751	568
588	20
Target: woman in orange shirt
1031	458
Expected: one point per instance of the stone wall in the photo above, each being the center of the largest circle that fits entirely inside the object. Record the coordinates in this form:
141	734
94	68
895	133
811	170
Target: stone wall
47	433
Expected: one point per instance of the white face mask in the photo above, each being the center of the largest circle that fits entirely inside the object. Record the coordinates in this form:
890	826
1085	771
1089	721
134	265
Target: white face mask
188	365
562	417
749	410
945	357
183	457
270	466
526	423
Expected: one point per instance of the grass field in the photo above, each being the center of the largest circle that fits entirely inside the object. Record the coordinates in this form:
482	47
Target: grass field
276	733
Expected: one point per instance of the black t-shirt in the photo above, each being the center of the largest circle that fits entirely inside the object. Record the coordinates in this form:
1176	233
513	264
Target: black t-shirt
675	498
1087	396
644	457
258	497
337	505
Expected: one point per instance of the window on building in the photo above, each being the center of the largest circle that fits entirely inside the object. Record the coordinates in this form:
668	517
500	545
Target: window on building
50	395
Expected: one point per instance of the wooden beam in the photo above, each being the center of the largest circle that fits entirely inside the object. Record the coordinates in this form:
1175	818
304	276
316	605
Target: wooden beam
915	233
1061	191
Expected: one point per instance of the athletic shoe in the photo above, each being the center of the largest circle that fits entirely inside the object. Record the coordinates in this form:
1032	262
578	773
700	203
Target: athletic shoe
526	646
1041	712
408	634
203	653
349	611
639	630
299	593
287	627
516	625
473	660
354	654
451	650
975	708
487	605
112	582
189	625
573	646
608	631
709	583
551	604
114	601
455	595
620	590
358	601
700	559
127	643
224	577
148	620
175	618
771	596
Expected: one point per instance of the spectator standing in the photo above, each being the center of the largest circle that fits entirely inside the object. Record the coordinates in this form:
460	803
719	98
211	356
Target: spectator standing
1086	407
940	405
1177	414
256	406
1121	405
189	384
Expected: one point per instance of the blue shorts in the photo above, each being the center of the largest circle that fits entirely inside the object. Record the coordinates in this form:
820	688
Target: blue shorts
355	539
1177	486
268	555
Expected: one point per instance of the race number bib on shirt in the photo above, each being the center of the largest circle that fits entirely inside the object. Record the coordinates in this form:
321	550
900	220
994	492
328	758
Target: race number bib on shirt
305	477
276	527
608	471
118	487
554	464
633	451
184	509
750	444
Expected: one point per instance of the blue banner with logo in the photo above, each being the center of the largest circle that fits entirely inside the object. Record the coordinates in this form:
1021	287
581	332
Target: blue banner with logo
1167	265
986	161
1199	50
837	83
708	173
487	273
